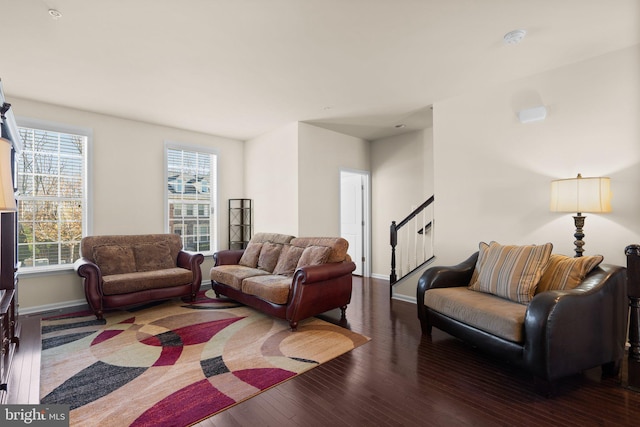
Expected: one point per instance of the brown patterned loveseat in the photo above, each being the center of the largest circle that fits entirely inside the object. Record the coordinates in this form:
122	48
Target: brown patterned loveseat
124	270
292	278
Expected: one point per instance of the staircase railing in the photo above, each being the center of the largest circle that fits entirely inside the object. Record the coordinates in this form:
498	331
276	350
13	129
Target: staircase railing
411	242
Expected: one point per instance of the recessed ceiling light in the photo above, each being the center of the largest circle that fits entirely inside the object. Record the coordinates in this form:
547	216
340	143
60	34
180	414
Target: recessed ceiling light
55	14
514	37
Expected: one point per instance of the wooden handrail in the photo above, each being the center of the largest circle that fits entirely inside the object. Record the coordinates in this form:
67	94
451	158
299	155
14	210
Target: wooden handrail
393	234
415	212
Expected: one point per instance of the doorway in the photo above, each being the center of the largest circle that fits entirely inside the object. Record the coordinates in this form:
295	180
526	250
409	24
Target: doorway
354	218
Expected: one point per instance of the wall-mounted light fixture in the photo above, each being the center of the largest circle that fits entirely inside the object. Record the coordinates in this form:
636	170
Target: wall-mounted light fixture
581	195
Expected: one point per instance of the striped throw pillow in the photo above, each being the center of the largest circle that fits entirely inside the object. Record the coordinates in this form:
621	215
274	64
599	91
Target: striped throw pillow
564	272
511	272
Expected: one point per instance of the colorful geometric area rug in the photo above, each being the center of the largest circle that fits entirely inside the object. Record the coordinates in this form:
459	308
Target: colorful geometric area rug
176	363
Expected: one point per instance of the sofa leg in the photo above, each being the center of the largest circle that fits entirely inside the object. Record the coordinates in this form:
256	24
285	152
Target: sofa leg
611	369
426	327
343	312
293	326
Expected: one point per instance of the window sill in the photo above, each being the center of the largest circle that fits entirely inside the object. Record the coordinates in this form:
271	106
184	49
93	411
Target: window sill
206	254
45	271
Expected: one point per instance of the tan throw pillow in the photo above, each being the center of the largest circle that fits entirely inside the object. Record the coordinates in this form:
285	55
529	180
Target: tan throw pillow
153	256
250	256
481	253
288	260
314	255
564	272
114	259
269	256
511	272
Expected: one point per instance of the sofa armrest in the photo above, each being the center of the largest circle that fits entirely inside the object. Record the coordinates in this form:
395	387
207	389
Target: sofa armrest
318	288
319	273
579	328
92	281
228	257
192	262
448	276
444	277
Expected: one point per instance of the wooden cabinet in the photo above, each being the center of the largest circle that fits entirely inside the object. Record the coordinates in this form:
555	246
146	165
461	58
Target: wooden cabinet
9	328
8	294
240	223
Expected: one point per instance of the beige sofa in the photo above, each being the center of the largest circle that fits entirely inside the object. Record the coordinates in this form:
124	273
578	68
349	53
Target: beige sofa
289	277
124	270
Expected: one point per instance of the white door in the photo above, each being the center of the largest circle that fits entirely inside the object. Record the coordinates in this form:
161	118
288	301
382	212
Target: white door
352	222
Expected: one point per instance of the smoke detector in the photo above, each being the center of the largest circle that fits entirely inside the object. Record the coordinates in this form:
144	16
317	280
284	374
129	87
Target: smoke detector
514	37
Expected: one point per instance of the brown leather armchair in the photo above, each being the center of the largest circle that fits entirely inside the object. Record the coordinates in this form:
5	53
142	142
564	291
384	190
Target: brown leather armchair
564	331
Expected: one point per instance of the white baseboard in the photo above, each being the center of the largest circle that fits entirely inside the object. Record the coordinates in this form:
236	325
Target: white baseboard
400	297
394	295
80	303
52	307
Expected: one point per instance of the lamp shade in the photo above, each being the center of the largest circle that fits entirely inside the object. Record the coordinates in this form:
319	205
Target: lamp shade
7	194
581	195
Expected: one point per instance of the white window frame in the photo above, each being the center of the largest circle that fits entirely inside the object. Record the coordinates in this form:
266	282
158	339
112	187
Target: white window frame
212	190
87	200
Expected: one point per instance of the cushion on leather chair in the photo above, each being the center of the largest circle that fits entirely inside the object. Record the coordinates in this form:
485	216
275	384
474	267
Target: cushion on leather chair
511	272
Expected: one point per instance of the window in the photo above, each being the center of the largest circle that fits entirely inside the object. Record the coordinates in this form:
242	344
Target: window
191	197
52	198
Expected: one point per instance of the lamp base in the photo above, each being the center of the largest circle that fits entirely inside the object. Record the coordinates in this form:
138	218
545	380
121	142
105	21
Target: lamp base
579	223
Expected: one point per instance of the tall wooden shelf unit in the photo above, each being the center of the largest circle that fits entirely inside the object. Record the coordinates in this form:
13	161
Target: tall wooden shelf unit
9	330
9	327
240	223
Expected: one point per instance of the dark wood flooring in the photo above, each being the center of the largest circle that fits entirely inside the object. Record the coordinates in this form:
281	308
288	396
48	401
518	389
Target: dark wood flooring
23	386
401	378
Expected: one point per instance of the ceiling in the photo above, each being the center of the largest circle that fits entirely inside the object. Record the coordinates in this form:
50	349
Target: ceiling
240	68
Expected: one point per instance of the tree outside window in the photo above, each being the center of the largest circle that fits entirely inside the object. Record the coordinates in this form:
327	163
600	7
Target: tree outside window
51	197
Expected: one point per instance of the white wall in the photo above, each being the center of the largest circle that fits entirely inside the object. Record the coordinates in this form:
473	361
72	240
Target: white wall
493	174
402	179
127	176
271	180
322	154
293	176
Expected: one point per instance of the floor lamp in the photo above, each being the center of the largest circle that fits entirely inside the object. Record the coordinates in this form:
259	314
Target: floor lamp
580	195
